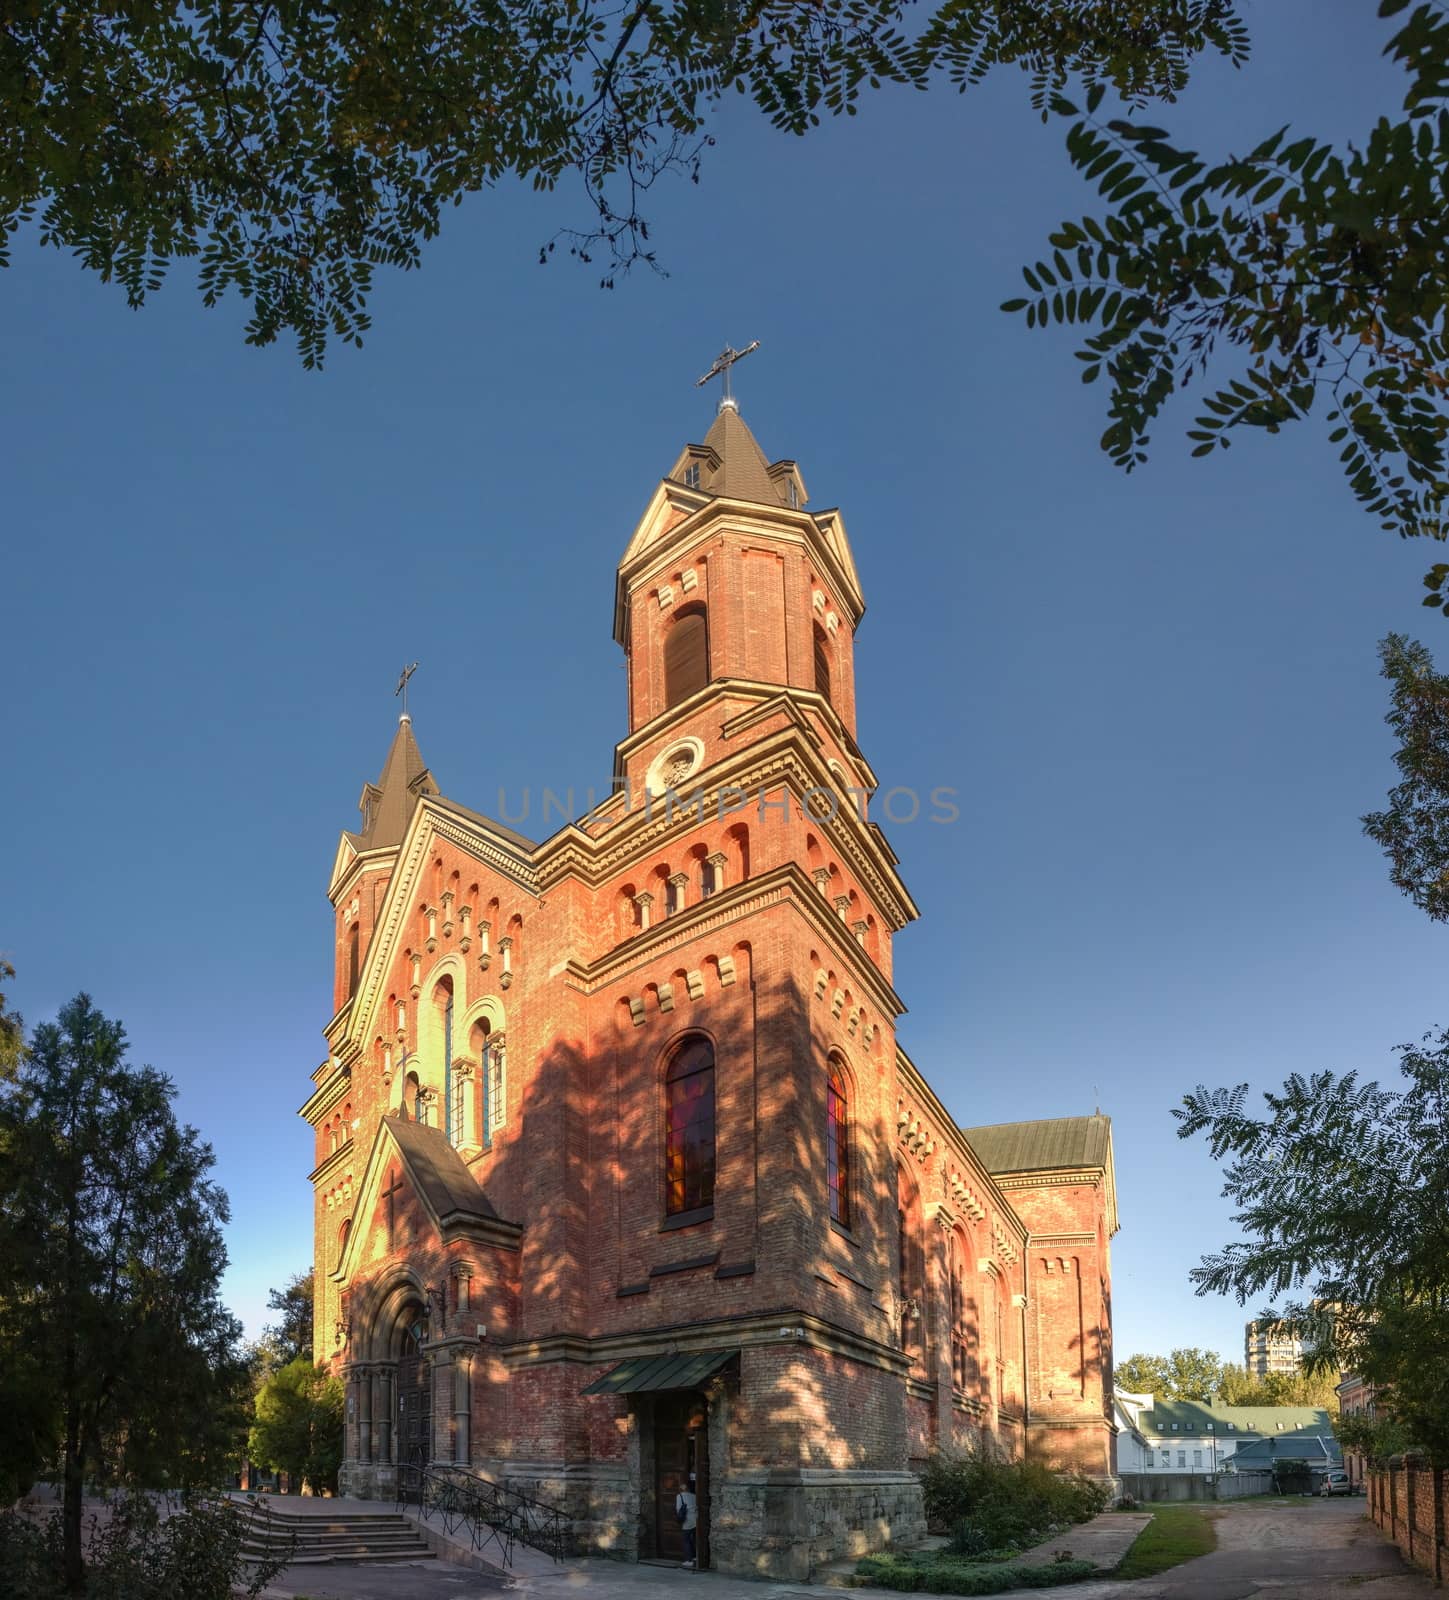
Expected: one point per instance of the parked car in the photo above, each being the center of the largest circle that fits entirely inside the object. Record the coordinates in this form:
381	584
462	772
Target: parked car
1336	1482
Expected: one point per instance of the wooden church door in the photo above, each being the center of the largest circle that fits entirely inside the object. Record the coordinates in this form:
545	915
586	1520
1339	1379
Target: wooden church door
414	1401
680	1448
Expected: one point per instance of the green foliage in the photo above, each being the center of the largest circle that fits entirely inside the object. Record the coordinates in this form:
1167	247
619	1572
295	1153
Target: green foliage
298	1427
1195	1374
1322	271
1175	1534
994	1505
12	1031
1374	1438
937	1575
1186	1374
193	1552
1340	1188
1142	1374
1242	1388
291	1337
111	1255
1192	1374
1414	830
290	150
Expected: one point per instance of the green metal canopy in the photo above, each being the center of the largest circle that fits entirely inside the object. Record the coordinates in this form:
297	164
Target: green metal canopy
642	1374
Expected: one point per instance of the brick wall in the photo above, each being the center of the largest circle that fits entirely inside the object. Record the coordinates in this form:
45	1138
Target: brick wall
1408	1501
856	1358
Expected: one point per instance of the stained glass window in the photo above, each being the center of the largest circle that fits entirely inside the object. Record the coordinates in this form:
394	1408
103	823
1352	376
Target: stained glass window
689	1132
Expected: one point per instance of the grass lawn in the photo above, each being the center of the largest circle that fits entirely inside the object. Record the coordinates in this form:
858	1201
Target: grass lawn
1175	1534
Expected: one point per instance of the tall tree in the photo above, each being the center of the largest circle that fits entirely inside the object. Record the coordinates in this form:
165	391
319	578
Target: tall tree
1195	1374
291	148
1318	273
298	1425
1239	1387
1186	1373
1340	1191
12	1031
1414	830
110	1258
1142	1374
291	1335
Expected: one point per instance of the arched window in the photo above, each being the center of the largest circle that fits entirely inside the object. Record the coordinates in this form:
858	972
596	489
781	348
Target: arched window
443	1034
837	1146
493	1107
909	1265
342	1236
822	664
686	657
354	950
689	1128
960	1330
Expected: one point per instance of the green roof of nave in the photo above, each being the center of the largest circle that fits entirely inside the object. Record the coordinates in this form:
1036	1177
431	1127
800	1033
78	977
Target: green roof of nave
1039	1146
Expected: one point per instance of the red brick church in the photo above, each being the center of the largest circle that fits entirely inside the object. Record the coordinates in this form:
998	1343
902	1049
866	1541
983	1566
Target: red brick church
621	1172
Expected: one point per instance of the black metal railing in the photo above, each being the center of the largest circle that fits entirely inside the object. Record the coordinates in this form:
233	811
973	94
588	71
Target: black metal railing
491	1512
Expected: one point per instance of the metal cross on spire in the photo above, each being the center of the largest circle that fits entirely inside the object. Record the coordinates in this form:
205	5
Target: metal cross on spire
402	686
721	368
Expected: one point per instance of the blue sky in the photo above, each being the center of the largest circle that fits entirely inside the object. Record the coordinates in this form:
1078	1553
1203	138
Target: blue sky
1157	695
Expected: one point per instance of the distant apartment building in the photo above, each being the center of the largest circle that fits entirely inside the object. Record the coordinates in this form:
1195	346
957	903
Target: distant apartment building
1267	1348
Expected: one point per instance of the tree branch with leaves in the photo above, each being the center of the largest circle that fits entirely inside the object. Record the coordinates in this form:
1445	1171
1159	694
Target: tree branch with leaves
292	149
1316	275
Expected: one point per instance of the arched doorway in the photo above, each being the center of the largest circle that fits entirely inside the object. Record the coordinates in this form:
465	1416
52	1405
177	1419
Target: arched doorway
414	1391
681	1452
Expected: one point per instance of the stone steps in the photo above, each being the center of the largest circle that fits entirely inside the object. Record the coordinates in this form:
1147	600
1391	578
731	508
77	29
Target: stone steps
358	1537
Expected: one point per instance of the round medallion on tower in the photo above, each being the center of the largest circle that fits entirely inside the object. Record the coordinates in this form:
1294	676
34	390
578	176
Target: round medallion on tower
674	765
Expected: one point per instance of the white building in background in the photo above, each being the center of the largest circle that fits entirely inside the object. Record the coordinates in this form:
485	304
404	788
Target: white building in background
1197	1436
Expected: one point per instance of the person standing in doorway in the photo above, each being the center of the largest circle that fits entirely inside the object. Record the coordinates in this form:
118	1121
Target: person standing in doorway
686	1510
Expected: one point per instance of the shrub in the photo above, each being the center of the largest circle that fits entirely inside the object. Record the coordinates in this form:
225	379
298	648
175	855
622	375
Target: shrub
935	1575
134	1553
989	1503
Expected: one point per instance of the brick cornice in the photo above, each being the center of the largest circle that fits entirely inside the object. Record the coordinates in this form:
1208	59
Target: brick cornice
316	1106
915	1084
786	761
327	1168
745	519
784	886
753	1329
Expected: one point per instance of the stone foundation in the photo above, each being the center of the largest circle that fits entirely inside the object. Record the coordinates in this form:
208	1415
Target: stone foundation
785	1524
368	1480
597	1497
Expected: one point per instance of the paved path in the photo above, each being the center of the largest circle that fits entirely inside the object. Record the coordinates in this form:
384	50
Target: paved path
1295	1550
1292	1550
1103	1541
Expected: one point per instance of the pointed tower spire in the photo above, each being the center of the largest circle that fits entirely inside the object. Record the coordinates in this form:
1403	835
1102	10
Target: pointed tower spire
730	463
387	805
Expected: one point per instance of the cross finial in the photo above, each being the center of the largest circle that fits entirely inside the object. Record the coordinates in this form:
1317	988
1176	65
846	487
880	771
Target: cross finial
402	687
721	368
